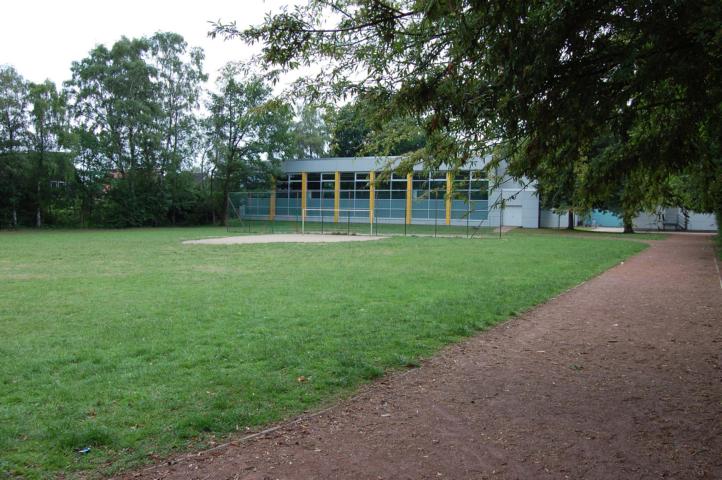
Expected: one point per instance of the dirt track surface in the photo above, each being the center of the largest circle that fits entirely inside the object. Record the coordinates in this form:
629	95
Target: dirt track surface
617	379
283	238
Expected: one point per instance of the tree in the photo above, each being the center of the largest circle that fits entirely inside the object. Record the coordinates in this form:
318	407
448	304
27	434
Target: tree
179	77
311	132
49	126
13	136
115	104
135	110
246	129
545	80
348	132
357	129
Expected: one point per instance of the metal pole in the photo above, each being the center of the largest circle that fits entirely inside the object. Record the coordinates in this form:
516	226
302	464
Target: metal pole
501	219
436	211
322	221
348	223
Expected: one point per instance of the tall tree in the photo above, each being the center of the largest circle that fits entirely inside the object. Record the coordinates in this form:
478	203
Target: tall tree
49	127
545	79
311	131
245	128
179	78
13	137
348	131
116	107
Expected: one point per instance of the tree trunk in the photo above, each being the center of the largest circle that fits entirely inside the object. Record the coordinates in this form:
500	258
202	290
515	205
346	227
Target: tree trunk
38	217
570	220
224	212
15	217
628	225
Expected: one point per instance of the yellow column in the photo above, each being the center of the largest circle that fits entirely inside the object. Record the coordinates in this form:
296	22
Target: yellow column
449	187
336	196
304	184
272	201
372	195
409	191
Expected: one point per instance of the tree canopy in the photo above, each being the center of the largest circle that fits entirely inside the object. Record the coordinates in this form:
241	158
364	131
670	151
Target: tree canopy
539	83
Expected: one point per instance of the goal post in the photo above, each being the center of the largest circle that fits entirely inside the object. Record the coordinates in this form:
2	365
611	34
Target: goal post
352	221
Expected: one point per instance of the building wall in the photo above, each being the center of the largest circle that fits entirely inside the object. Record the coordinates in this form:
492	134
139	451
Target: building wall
550	219
342	187
704	222
521	208
656	221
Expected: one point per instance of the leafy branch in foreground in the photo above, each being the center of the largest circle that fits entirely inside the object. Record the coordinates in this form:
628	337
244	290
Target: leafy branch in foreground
545	81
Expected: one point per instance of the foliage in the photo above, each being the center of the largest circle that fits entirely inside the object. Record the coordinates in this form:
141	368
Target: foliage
13	127
248	132
543	80
49	126
349	129
310	132
357	129
140	345
118	99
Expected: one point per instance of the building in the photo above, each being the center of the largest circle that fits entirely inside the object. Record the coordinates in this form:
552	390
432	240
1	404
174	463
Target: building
672	218
353	189
340	187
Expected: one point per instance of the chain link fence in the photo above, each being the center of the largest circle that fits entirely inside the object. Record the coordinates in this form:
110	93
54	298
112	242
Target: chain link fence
429	215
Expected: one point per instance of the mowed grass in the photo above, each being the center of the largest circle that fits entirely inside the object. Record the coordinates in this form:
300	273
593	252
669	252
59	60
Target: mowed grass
582	232
135	345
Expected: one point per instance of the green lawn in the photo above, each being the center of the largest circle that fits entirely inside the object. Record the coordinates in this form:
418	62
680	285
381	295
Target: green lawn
135	345
581	232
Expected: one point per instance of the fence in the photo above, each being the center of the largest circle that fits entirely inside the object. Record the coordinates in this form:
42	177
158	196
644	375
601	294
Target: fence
431	214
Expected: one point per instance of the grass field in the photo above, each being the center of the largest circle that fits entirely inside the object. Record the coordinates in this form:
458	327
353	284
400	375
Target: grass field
346	227
135	345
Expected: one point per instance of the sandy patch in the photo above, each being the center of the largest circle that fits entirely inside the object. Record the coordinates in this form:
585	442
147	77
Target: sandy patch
282	238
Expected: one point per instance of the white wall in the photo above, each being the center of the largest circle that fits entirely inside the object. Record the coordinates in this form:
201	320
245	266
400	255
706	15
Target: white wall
522	208
701	222
697	221
550	219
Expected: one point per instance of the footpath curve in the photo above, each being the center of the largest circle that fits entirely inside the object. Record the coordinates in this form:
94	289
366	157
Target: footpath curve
618	378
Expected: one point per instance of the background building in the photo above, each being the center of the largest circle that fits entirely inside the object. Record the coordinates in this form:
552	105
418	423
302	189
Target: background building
354	188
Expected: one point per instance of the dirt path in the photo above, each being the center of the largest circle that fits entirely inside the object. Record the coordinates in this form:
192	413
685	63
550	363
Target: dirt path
619	378
283	238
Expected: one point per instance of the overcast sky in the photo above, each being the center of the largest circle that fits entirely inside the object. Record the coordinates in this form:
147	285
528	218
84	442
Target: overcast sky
41	38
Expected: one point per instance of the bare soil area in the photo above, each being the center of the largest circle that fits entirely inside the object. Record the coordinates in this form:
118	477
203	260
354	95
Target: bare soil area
619	378
283	238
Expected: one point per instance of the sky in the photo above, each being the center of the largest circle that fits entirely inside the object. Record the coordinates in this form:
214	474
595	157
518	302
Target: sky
41	38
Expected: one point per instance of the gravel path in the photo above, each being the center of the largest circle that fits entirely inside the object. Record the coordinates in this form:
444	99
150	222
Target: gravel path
618	378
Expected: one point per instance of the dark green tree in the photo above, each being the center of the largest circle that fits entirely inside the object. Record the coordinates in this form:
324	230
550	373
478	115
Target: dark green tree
248	132
14	124
116	107
136	128
48	119
179	77
349	128
542	79
358	129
